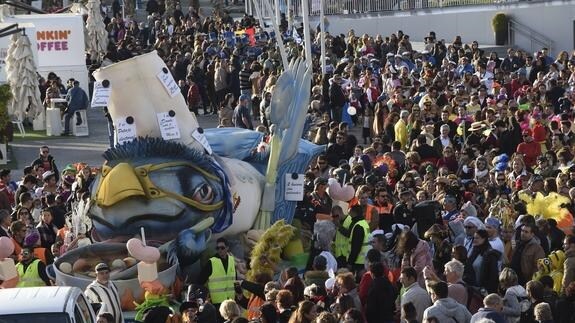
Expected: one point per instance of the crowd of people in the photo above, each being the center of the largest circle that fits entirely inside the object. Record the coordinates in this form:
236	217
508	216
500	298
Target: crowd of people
457	146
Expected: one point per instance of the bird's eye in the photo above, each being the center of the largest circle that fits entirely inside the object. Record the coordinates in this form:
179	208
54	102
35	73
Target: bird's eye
204	194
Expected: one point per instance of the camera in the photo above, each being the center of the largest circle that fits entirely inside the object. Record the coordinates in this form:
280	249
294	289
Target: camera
238	288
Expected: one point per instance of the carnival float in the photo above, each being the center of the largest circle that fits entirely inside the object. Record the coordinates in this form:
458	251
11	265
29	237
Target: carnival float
177	187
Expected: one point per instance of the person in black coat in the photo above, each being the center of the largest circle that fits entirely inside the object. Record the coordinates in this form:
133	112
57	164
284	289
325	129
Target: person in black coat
380	305
337	97
484	261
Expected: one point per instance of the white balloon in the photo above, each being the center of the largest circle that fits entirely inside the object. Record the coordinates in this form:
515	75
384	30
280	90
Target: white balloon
351	111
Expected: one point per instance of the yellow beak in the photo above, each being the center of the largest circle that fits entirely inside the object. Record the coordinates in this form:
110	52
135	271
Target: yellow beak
117	184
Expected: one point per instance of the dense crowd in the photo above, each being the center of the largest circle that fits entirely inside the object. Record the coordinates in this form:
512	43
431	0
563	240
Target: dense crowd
462	176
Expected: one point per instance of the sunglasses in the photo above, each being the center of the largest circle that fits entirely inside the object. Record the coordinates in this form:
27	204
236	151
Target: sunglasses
45	151
221	248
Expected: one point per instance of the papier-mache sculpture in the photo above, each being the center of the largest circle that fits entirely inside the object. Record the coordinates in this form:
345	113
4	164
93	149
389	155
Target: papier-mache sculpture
182	183
156	294
8	272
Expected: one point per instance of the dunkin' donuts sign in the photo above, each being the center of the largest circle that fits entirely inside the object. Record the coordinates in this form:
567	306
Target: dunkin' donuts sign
53	40
59	38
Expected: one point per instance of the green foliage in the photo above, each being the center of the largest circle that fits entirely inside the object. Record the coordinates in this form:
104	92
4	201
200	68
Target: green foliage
499	22
5	96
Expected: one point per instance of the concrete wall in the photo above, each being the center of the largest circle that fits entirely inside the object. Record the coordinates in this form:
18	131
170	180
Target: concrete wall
553	19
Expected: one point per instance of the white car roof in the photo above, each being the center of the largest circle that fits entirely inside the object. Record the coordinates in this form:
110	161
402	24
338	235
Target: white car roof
36	299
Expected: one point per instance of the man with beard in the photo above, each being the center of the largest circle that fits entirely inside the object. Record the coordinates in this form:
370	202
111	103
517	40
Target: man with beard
524	261
384	208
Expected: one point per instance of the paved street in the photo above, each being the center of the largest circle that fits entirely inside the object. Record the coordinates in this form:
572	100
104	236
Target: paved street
68	150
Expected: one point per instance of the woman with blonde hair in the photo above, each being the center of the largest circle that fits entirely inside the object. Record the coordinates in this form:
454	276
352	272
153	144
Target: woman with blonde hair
229	310
270	82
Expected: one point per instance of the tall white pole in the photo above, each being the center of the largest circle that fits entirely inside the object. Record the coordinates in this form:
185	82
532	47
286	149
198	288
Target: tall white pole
322	37
277	11
288	15
279	39
259	16
307	35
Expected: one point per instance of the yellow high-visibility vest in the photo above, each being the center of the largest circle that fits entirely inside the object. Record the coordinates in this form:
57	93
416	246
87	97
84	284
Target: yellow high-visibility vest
30	278
221	281
341	244
360	260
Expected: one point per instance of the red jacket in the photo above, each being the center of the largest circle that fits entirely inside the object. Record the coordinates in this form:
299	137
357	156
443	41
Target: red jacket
530	151
539	133
194	97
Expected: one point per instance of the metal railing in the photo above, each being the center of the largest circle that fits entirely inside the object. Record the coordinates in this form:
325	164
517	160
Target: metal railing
345	7
537	40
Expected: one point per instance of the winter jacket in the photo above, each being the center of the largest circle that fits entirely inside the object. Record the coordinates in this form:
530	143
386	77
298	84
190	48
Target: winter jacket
418	297
489	268
447	310
511	303
568	270
531	253
487	313
380	305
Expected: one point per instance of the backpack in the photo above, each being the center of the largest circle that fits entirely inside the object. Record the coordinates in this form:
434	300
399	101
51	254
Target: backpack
475	297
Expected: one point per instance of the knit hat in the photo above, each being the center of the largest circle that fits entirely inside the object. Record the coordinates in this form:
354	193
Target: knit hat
469	209
492	222
474	221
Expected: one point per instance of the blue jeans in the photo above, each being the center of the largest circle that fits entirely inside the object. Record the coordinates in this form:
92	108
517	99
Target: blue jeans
249	105
68	116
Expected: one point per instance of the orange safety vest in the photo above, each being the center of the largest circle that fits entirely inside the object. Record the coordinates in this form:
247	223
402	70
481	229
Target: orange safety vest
254	305
368	211
40	253
384	209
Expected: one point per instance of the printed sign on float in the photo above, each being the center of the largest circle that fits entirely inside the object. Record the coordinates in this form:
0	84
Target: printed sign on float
168	126
294	187
124	131
201	138
169	83
101	95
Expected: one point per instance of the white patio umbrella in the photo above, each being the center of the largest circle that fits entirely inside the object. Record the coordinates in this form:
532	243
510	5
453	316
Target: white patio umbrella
21	73
97	36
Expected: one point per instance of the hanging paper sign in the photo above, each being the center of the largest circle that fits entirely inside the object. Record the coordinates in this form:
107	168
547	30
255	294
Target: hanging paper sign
198	134
168	126
125	130
101	95
168	82
294	188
